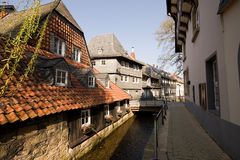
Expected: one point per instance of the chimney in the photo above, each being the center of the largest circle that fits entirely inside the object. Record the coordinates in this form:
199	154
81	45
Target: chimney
132	49
133	55
6	9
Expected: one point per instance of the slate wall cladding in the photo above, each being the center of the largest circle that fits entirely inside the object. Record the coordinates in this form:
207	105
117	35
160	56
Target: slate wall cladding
60	27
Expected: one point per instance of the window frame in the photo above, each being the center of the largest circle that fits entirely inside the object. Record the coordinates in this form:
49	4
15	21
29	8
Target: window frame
56	77
79	53
57	42
93	81
126	78
103	64
195	22
85	118
106	110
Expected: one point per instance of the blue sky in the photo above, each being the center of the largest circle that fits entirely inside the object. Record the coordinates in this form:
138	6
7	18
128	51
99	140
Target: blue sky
134	22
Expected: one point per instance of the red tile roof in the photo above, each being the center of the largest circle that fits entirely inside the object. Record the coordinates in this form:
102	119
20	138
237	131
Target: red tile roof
31	99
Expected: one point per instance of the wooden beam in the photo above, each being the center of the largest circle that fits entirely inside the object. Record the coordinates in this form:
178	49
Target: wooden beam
184	25
186	14
182	32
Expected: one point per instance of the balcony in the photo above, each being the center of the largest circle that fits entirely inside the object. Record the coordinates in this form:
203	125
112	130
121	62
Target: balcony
129	71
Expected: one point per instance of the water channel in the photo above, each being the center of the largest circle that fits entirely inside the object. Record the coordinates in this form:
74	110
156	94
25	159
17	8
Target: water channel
131	141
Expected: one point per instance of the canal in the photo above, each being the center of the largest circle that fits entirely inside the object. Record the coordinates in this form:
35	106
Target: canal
131	141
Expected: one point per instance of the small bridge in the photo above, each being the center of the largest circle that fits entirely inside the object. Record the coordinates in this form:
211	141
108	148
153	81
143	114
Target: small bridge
146	105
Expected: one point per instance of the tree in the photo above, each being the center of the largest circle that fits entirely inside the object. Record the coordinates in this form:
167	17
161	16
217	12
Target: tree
165	35
13	48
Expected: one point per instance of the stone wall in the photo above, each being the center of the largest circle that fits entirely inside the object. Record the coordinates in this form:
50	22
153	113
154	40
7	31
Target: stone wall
46	139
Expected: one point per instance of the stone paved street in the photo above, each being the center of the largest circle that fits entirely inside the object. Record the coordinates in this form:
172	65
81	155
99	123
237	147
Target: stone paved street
187	140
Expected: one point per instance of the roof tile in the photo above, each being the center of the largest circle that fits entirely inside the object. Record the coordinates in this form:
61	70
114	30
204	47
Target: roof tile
33	99
3	119
12	117
31	113
22	115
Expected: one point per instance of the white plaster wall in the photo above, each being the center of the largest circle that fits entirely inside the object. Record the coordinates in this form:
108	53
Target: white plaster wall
231	24
208	41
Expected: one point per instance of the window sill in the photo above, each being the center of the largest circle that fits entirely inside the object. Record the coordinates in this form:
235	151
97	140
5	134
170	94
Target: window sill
195	33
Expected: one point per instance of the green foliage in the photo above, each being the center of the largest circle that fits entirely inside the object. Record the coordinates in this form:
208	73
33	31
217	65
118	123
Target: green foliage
14	48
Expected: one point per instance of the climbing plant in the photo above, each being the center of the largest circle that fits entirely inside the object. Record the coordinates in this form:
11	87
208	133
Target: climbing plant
14	48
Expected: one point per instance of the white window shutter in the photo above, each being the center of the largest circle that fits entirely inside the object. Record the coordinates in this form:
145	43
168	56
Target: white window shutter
94	81
79	56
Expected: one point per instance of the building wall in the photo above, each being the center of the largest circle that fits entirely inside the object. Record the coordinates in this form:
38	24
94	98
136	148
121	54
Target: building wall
208	42
231	26
115	70
110	67
48	138
63	29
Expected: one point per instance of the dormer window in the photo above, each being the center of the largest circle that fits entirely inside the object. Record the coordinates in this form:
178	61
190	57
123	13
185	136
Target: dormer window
107	84
91	81
59	46
76	55
61	77
100	51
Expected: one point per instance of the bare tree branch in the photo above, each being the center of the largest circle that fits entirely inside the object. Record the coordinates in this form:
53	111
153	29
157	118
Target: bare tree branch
165	35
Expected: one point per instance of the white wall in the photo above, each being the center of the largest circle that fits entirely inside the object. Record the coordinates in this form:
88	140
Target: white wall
208	42
231	25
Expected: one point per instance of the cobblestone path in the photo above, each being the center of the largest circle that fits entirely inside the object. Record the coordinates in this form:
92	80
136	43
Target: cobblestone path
187	140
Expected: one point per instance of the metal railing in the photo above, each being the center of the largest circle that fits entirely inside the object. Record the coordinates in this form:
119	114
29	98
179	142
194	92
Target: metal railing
161	115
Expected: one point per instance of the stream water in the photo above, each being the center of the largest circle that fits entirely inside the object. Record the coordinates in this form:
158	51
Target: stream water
128	142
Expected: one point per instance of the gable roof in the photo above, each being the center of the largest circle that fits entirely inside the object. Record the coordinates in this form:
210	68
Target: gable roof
110	47
33	99
14	20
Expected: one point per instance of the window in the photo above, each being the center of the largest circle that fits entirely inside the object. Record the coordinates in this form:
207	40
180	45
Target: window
213	84
107	83
93	63
61	77
91	81
122	78
184	51
137	67
133	79
103	62
186	82
203	95
239	64
127	64
85	117
118	106
134	66
193	90
58	46
100	51
106	108
195	22
76	55
126	78
123	63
